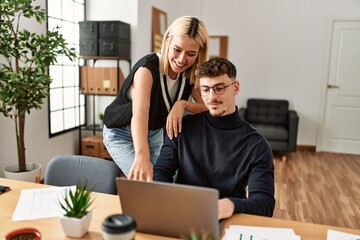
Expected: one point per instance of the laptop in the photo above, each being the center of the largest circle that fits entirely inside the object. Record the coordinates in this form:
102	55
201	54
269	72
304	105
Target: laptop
170	209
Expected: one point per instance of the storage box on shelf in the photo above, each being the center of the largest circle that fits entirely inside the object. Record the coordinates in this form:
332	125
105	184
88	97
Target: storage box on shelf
90	146
93	146
105	38
89	29
89	34
114	30
114	47
100	80
89	47
114	38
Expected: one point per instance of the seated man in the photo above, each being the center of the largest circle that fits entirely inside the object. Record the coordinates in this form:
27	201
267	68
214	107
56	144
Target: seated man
218	149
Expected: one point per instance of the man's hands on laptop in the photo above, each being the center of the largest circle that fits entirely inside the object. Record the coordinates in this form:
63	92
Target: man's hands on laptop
225	208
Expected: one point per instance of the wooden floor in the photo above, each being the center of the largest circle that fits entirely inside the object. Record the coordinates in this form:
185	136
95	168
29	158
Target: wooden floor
319	188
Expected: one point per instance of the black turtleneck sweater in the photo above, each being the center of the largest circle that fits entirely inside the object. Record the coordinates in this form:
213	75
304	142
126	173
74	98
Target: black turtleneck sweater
225	153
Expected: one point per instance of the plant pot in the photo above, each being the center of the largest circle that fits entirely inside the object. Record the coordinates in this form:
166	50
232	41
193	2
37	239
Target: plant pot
76	227
32	174
24	233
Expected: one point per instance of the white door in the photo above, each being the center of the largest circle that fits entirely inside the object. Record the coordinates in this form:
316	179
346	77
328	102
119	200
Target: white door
341	129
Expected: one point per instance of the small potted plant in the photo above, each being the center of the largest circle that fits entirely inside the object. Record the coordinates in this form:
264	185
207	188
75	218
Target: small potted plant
101	117
76	205
199	236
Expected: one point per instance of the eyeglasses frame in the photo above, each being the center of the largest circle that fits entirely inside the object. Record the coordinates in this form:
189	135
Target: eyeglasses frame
213	88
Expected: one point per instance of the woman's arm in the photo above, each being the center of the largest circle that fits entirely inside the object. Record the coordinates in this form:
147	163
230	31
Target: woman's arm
142	168
173	122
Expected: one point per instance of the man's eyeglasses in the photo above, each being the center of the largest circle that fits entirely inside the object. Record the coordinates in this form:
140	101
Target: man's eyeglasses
217	88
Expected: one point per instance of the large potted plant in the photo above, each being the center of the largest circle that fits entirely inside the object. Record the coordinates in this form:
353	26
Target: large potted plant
24	61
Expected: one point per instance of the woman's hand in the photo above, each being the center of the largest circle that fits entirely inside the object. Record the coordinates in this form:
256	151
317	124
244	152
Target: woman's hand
141	169
173	121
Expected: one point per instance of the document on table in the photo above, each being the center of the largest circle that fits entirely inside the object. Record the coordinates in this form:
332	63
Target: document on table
241	232
39	203
336	235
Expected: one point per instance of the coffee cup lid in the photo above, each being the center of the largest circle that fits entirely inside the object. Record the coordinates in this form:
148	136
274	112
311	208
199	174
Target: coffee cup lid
119	223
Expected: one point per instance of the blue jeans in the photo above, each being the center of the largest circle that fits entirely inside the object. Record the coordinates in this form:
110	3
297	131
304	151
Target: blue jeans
119	143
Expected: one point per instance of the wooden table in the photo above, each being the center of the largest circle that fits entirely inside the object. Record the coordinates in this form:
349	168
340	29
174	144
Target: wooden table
106	205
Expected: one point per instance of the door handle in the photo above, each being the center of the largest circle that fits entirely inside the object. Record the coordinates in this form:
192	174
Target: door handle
332	86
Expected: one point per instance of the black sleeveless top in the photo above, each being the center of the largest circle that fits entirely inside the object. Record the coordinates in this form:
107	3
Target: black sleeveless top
119	113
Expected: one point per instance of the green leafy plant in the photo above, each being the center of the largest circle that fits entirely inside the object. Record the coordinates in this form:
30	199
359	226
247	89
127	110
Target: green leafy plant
199	236
76	204
101	116
24	78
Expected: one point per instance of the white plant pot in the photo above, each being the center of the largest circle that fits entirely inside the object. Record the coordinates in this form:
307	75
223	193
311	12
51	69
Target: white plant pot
32	174
76	227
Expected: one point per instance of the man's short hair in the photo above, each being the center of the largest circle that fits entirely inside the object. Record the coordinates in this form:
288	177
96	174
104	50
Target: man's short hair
215	67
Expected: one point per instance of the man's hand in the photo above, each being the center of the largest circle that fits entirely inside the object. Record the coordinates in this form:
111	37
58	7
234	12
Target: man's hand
141	170
225	208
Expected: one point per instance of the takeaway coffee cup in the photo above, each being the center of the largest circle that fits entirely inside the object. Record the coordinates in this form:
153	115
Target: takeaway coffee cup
119	227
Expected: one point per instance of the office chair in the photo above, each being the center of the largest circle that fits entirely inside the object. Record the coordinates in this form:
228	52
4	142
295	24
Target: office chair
68	170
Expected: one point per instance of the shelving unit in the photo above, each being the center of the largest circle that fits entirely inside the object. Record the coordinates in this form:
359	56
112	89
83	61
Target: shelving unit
97	81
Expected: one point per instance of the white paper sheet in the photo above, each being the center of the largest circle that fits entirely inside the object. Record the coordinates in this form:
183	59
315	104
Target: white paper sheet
236	232
336	235
39	203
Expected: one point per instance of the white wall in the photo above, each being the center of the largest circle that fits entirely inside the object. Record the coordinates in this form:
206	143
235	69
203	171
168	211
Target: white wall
39	147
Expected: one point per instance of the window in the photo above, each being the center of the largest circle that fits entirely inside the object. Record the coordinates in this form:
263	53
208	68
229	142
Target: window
66	105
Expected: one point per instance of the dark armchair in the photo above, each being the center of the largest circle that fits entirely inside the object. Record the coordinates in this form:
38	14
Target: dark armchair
274	120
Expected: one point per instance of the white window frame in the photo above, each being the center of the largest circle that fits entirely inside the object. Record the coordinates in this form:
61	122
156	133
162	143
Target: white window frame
67	107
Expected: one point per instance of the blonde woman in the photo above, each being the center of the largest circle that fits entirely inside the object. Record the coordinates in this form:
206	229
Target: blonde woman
154	96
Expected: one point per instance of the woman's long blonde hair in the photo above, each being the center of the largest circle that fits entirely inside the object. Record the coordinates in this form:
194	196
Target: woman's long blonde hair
191	27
